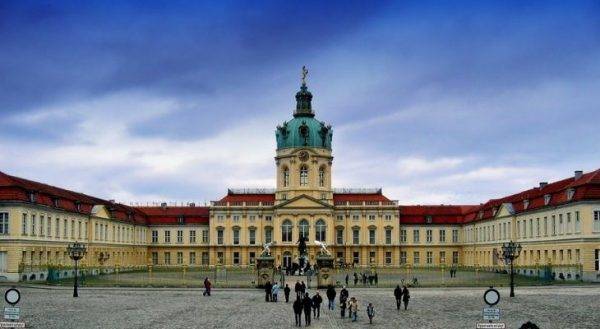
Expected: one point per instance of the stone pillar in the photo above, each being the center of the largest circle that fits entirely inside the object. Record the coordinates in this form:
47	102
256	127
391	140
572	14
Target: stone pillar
265	268
325	275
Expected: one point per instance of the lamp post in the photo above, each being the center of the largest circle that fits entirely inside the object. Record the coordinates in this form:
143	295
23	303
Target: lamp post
510	252
76	252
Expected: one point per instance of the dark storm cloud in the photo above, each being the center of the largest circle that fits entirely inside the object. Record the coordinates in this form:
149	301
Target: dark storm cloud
510	84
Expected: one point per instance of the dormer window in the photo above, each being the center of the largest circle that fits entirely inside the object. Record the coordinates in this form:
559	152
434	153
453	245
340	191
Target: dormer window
180	220
494	211
55	202
428	219
570	194
130	216
547	198
525	204
480	215
78	206
31	196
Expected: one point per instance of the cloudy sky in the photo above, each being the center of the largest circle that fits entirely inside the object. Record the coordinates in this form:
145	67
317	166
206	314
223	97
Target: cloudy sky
436	103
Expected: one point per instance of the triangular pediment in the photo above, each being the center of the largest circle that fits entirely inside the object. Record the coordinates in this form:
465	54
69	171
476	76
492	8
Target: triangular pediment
304	201
100	211
506	209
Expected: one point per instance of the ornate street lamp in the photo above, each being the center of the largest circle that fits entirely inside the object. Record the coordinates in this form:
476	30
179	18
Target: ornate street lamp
510	252
76	252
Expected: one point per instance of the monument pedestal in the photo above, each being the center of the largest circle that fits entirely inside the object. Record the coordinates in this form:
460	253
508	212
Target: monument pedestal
265	268
325	275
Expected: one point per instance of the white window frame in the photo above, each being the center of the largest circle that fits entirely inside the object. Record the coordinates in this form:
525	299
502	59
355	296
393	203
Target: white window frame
4	223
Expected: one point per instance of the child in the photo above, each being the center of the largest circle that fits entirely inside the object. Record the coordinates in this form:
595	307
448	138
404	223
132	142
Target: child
370	312
353	308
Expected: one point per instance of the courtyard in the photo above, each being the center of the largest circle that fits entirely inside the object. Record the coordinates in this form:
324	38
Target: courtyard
54	307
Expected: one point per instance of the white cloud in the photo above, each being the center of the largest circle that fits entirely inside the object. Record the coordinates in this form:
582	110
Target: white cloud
412	165
101	143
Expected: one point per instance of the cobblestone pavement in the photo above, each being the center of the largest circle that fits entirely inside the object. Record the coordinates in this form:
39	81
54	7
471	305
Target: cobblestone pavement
549	307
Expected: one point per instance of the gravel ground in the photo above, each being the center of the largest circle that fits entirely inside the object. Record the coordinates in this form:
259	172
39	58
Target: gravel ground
54	307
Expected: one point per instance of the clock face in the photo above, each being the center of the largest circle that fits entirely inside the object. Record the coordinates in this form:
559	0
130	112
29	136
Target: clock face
12	296
303	155
491	297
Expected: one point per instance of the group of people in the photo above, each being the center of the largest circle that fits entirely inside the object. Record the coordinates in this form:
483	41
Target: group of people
304	303
349	306
371	279
272	291
401	295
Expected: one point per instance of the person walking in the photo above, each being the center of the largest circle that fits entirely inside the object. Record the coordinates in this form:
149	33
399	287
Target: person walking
355	279
376	278
274	292
286	292
307	305
353	308
297	290
405	297
347	278
207	286
371	312
344	300
317	300
298	311
302	287
331	297
343	308
268	291
398	296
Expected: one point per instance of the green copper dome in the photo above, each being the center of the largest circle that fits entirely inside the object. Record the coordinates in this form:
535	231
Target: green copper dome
304	130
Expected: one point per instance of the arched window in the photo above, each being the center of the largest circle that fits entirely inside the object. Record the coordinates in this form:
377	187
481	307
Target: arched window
286	177
286	231
321	177
303	175
304	228
321	230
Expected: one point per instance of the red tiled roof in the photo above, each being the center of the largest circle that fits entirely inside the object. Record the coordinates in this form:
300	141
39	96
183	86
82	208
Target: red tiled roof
587	187
350	197
440	214
171	215
14	188
270	197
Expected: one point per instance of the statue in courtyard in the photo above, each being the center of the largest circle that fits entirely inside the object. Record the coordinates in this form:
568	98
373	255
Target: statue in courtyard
302	245
266	249
323	246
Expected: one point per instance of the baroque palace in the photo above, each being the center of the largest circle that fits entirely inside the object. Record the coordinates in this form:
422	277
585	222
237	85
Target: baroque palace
558	224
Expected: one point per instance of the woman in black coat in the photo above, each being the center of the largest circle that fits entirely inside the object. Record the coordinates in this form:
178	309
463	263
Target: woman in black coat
331	297
298	311
307	305
286	292
398	295
405	297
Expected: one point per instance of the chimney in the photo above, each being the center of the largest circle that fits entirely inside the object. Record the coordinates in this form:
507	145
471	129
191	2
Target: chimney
543	184
111	200
578	174
191	204
163	205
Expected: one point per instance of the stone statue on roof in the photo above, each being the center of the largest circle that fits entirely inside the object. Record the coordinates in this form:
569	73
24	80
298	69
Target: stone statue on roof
304	74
